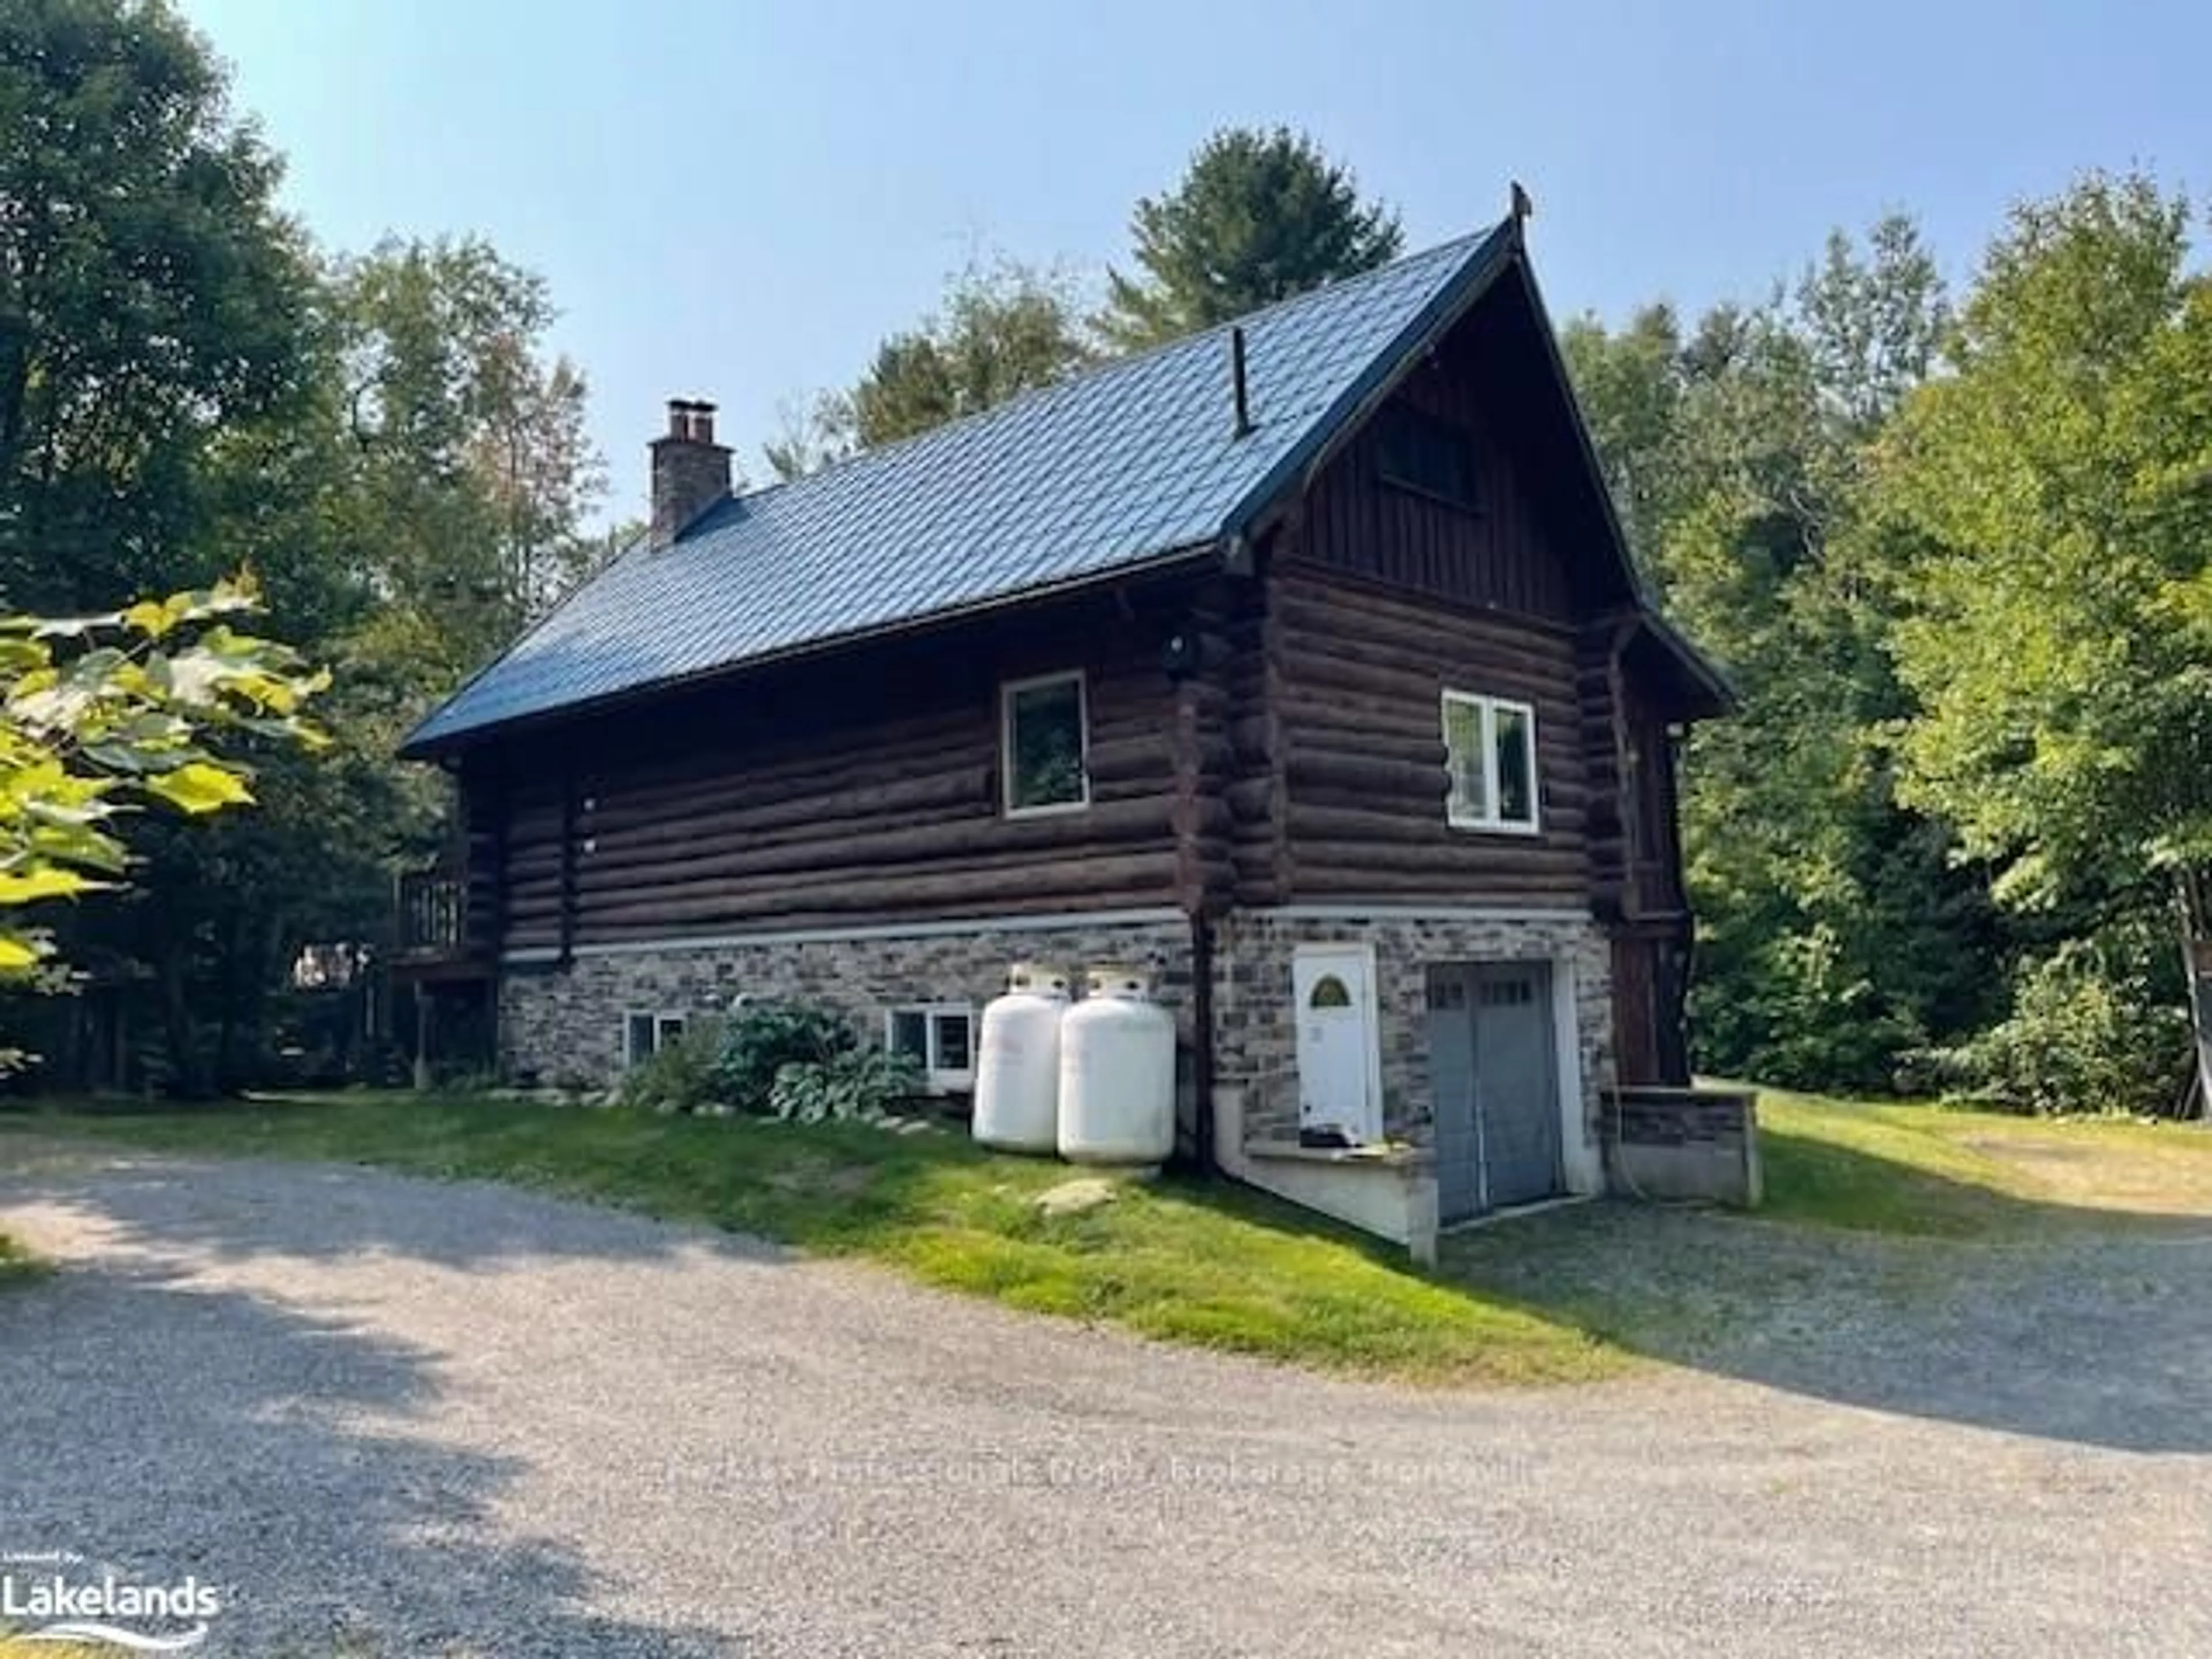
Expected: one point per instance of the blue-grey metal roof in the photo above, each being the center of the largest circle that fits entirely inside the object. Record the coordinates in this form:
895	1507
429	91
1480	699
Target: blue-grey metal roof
1133	462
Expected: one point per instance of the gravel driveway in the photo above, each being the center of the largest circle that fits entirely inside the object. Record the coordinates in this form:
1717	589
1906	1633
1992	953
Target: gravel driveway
470	1421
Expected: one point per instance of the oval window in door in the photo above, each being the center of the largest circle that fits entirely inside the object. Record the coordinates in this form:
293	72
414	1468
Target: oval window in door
1329	992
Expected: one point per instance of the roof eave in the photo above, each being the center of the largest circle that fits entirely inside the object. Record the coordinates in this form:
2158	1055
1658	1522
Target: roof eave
1721	698
447	745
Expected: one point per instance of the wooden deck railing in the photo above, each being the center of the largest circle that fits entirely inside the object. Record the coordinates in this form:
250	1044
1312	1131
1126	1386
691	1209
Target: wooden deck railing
434	915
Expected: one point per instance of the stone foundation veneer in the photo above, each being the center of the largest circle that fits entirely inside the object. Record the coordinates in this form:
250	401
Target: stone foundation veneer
1255	1043
565	1025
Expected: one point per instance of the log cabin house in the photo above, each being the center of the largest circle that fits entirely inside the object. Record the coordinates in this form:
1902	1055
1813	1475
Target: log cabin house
1301	662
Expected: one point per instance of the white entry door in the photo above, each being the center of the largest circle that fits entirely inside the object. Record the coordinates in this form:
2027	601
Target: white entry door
1339	1062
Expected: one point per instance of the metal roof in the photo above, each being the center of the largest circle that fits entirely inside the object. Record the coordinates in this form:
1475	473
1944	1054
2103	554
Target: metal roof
1130	464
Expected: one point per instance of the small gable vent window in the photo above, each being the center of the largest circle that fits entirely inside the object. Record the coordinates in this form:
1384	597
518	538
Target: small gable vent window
1491	749
1044	746
1416	451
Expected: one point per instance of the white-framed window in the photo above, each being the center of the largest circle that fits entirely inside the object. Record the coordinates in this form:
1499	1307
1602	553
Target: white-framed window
1044	744
1491	746
940	1038
645	1035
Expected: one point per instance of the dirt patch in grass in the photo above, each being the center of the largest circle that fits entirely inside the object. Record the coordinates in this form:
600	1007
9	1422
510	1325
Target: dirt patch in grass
831	1180
1937	1171
2112	1165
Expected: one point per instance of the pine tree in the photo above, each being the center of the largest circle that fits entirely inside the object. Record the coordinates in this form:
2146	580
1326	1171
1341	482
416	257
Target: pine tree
1258	217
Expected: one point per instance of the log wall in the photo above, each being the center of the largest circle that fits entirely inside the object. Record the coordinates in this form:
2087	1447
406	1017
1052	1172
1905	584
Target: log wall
1355	673
867	789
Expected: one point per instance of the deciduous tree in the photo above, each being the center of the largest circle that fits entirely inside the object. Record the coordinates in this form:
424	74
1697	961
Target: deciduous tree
2057	488
102	713
153	298
1002	330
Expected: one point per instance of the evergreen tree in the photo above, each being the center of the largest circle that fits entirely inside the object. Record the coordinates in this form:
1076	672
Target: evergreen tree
1259	216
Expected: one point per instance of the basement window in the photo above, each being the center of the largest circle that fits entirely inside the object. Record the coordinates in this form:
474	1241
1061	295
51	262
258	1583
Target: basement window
1044	741
645	1036
1491	746
939	1037
1419	452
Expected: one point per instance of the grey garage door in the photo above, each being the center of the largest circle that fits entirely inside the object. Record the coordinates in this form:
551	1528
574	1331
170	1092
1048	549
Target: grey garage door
1497	1114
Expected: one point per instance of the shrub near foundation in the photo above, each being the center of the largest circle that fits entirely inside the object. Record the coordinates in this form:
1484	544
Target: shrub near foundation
678	1077
786	1061
759	1040
858	1084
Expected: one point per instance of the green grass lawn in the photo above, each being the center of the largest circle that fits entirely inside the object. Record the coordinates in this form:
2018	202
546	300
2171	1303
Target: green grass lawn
1213	1266
1914	1169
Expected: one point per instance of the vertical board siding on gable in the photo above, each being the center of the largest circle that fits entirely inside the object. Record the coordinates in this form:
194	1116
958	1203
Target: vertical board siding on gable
1494	555
1359	675
858	792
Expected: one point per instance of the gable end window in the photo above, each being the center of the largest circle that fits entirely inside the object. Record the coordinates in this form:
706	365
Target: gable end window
1491	747
1044	744
940	1038
1417	451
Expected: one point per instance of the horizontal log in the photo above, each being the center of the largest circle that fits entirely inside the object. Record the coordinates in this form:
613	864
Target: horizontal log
1305	769
1466	854
1310	822
963	792
840	845
1135	878
1471	887
1340	646
1413	694
799	738
958	907
1348	726
611	798
607	857
1415	745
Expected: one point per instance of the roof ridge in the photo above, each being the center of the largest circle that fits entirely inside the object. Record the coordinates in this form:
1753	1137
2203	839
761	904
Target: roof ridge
1106	366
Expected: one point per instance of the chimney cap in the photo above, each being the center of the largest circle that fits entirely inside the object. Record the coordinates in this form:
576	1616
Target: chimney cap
691	419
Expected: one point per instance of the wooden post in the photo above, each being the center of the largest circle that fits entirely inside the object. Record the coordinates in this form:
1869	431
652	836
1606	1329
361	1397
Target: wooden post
2196	963
422	1039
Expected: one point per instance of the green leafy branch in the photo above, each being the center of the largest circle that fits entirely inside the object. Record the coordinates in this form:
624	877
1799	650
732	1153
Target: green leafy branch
102	713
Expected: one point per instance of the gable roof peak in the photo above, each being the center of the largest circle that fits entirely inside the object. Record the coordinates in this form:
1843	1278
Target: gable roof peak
1131	463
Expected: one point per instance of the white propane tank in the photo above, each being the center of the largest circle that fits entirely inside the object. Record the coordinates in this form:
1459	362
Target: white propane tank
1018	1062
1117	1052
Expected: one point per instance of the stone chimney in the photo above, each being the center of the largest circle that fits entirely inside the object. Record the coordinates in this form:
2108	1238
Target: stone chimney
691	470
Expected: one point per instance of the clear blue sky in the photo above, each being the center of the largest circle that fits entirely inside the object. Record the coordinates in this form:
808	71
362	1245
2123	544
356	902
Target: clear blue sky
738	198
